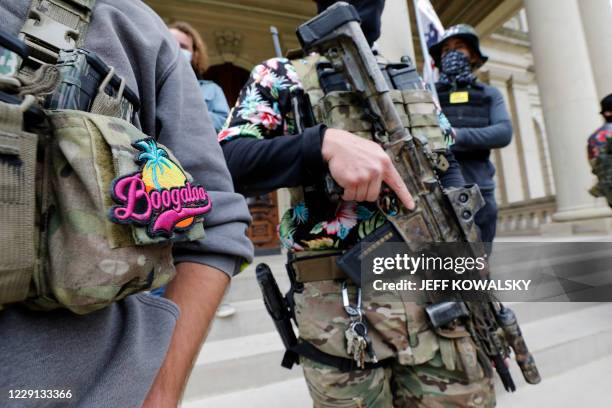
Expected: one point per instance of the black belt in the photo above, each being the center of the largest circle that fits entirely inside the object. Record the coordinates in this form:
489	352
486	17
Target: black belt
307	350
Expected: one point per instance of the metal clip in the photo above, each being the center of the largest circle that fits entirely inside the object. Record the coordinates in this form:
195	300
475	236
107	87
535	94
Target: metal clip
353	311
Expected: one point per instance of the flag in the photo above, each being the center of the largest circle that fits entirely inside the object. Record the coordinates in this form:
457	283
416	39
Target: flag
430	32
431	25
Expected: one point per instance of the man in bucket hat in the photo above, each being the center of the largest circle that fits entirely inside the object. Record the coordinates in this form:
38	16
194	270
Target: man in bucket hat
477	113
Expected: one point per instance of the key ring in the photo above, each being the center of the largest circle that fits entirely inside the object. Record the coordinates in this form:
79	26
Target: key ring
353	311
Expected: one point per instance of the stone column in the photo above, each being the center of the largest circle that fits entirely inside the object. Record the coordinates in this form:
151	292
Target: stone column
523	126
569	101
597	22
515	178
396	36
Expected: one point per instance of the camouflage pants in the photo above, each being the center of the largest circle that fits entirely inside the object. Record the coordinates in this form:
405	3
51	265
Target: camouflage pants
430	369
428	385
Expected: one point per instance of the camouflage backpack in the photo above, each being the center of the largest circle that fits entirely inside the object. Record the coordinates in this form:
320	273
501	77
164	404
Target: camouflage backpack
89	205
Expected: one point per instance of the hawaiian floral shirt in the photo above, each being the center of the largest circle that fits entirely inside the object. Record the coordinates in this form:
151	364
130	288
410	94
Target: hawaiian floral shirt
599	140
263	111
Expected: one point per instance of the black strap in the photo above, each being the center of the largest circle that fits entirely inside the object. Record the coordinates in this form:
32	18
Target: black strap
307	350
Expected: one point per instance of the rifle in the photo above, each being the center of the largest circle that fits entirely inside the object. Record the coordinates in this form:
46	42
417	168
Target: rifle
439	216
276	42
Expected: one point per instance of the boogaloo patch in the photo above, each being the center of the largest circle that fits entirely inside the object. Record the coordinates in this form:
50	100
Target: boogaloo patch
159	196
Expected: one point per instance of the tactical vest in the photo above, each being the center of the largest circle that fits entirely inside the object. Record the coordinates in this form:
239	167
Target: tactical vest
89	205
469	108
466	108
342	109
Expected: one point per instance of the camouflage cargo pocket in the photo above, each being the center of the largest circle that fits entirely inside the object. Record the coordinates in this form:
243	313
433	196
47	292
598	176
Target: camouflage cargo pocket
90	260
320	317
322	321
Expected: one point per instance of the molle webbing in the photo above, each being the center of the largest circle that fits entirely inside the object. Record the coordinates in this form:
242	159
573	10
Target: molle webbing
53	25
17	205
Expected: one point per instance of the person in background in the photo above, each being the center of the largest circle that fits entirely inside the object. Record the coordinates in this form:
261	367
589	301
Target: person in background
194	49
599	158
476	111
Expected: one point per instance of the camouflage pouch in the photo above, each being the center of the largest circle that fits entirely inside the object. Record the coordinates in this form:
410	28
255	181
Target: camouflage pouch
459	353
17	205
343	110
398	329
424	122
116	201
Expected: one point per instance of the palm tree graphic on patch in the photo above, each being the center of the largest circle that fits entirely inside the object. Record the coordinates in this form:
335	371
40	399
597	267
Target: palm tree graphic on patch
159	196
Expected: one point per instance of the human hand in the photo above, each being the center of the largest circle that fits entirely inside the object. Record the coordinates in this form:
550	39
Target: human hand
360	166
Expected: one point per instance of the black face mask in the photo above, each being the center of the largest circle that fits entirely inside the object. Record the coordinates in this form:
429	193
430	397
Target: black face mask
370	12
456	68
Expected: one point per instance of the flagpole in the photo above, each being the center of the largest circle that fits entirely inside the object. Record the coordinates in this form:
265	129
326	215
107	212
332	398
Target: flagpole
425	50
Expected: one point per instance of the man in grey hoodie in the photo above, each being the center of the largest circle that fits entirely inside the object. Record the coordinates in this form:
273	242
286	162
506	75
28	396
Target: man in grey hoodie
136	352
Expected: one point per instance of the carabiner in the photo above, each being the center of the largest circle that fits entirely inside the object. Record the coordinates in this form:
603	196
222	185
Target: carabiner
352	311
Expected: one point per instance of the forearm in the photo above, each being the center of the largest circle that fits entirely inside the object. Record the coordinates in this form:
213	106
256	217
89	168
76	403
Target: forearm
490	137
495	136
259	166
197	290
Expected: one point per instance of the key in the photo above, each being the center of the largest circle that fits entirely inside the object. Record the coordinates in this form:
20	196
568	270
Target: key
361	330
356	346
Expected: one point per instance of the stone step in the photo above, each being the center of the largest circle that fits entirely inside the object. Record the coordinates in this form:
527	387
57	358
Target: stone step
239	363
245	287
563	342
586	386
558	343
251	317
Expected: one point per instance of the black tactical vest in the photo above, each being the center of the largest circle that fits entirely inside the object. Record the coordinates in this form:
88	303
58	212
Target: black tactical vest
473	113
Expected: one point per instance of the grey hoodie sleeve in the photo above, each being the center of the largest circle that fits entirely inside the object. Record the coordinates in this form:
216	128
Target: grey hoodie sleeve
184	125
498	134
